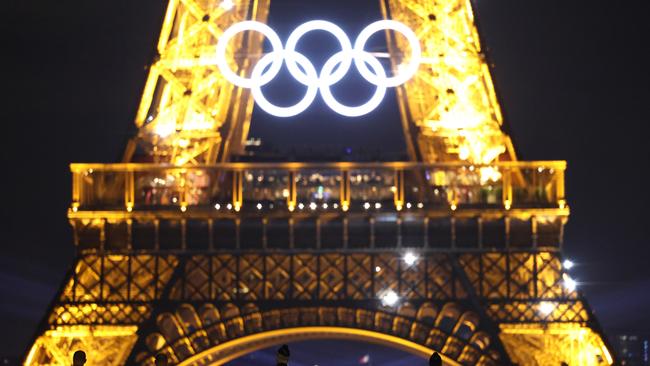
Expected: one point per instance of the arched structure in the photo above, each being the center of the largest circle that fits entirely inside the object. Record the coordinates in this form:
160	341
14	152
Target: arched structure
197	336
237	348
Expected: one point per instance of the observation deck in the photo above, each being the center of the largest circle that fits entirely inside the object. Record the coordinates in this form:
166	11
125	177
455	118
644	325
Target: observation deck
319	206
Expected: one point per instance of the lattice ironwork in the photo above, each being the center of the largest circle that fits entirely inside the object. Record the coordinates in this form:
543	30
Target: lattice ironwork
188	109
511	288
450	104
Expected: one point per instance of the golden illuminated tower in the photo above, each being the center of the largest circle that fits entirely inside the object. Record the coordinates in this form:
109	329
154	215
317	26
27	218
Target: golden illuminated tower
183	252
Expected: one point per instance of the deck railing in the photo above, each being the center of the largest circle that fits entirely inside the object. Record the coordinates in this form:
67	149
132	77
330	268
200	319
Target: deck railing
343	186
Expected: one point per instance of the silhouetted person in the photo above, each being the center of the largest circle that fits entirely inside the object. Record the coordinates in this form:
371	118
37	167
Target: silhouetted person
435	360
79	358
161	359
282	357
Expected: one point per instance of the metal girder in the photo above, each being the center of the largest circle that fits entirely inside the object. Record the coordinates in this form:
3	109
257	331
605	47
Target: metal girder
449	108
189	114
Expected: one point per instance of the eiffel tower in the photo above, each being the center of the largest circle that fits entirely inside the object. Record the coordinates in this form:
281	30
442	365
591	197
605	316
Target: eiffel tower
180	250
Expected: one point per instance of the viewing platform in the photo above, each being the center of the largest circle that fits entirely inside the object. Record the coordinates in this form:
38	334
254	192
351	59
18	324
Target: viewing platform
335	205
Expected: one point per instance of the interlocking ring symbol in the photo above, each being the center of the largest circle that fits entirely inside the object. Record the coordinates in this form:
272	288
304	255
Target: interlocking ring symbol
305	73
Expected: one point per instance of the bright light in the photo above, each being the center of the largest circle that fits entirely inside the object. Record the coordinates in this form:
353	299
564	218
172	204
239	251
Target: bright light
183	208
336	205
301	206
568	264
325	206
408	205
409	70
546	308
229	206
389	298
569	283
227	4
313	205
217	206
259	206
360	110
410	258
334	69
377	269
366	205
378	205
420	205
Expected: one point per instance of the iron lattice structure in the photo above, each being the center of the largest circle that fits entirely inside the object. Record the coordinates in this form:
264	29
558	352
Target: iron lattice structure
206	260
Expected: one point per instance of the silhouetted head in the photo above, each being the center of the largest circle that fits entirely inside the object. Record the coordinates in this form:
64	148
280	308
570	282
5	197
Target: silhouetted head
435	359
79	358
161	359
564	363
282	357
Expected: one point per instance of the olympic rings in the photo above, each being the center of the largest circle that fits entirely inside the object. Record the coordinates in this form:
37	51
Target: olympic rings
305	73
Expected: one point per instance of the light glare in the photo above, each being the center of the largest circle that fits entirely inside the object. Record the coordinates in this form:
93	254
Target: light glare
568	264
389	298
546	308
410	258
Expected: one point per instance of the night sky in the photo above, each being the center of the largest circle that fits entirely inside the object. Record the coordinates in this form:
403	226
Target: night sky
573	77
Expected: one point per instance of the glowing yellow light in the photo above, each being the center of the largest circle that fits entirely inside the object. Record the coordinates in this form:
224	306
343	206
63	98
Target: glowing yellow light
546	308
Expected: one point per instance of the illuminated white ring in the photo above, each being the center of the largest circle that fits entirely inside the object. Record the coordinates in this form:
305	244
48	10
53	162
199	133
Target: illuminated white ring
333	29
407	72
345	110
262	79
304	103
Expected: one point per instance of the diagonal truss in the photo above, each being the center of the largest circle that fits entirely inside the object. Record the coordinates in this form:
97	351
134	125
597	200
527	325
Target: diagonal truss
189	113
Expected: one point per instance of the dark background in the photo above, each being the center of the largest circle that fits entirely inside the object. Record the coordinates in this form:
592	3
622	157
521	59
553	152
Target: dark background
572	75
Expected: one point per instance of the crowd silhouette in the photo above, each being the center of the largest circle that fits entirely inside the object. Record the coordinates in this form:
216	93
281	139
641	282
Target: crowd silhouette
281	358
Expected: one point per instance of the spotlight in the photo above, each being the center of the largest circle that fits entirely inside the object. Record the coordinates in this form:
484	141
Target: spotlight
568	264
377	269
569	283
389	298
410	258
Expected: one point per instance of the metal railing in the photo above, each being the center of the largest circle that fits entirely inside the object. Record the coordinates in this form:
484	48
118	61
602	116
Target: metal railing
318	186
